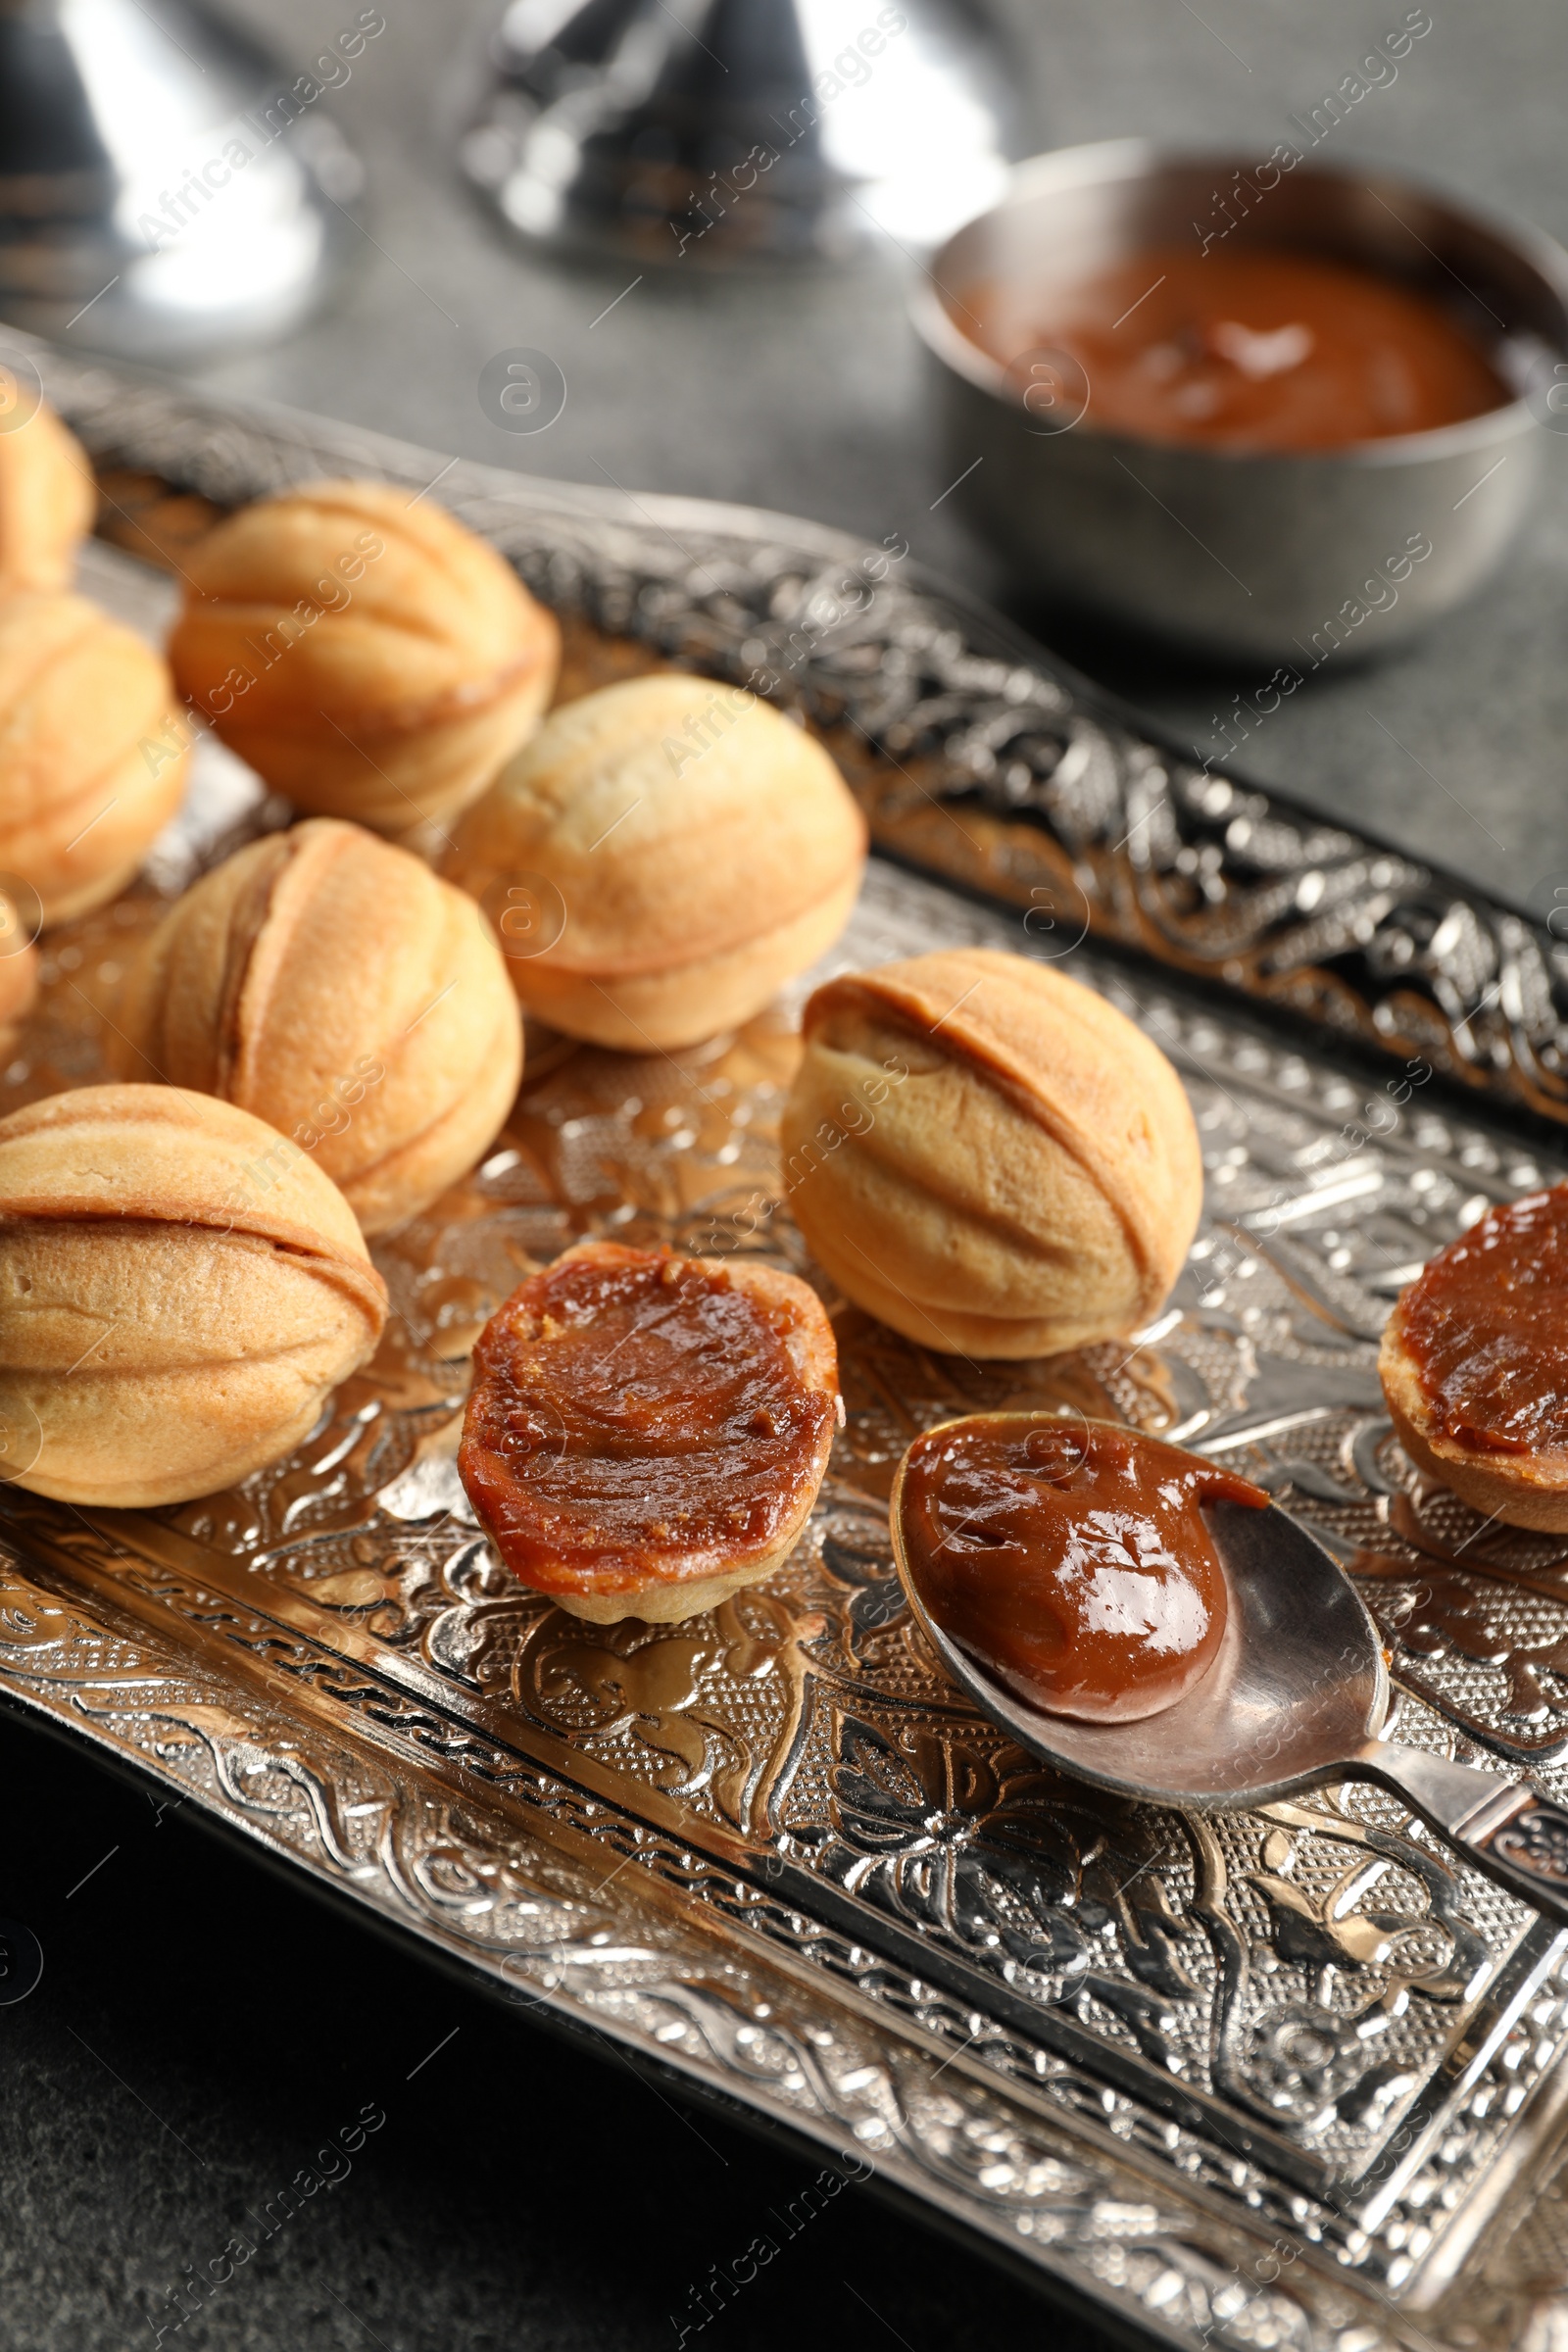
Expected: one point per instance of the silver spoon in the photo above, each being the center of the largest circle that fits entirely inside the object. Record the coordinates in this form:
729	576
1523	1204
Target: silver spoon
1296	1699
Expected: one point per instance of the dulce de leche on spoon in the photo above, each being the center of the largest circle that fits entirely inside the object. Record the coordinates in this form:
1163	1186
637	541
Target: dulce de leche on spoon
1070	1558
1153	1624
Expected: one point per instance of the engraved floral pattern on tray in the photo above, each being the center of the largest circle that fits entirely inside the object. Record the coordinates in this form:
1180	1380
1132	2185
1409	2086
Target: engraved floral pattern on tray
975	757
1304	2023
1281	1997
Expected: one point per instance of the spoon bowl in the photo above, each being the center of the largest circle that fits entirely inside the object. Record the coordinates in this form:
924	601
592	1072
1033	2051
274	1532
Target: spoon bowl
1296	1699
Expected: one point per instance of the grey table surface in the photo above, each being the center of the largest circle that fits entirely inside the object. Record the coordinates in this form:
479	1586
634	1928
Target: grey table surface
201	2026
809	394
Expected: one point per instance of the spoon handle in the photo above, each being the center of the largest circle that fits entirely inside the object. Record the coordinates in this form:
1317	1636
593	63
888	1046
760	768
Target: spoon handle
1509	1829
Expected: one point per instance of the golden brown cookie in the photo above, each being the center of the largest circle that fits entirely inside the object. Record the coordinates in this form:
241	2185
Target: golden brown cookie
647	1433
47	502
681	851
329	984
988	1157
92	751
19	965
181	1288
367	655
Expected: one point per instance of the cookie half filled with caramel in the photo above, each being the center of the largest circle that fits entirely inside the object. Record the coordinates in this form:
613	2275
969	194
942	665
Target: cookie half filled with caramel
648	1433
1068	1557
1475	1364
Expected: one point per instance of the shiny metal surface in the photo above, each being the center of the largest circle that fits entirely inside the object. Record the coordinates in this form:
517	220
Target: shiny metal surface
1280	557
1296	1698
721	132
1036	791
1298	1684
1283	2076
166	189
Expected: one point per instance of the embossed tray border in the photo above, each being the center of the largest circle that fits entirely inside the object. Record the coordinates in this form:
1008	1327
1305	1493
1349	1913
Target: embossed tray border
728	2013
723	2017
983	760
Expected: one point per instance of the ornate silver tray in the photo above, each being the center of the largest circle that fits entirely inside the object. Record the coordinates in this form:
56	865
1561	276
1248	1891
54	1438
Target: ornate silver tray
1286	2078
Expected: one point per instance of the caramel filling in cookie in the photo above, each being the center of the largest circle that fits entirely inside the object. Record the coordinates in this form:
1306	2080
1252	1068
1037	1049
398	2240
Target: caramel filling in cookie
640	1420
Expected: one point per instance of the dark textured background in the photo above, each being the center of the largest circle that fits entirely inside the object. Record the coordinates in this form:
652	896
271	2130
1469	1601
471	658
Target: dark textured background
200	2025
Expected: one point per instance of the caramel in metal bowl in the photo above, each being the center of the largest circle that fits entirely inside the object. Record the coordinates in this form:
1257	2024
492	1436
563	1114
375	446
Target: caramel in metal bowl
1280	554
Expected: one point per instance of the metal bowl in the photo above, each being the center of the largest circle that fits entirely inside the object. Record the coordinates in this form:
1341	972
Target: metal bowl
1282	558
